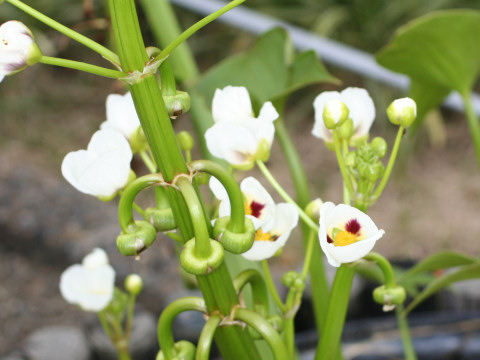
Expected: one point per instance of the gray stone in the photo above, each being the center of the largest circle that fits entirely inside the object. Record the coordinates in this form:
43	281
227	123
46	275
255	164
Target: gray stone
57	343
143	341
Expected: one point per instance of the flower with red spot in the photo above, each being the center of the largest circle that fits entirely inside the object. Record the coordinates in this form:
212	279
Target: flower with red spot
346	234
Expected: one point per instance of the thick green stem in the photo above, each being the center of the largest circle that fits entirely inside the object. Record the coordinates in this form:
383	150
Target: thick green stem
106	53
336	313
265	330
81	66
409	351
473	123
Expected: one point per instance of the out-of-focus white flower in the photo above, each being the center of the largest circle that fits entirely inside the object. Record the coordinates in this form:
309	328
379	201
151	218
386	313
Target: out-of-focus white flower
237	136
259	205
89	285
17	48
121	114
103	168
346	234
358	102
268	242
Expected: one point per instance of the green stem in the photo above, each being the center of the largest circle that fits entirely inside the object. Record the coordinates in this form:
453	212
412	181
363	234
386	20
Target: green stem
391	162
206	337
81	66
473	123
336	313
266	330
409	351
203	249
259	289
272	288
278	188
235	196
165	322
106	53
195	27
385	266
125	206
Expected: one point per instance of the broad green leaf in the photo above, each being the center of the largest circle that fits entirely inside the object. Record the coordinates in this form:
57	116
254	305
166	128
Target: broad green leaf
267	70
441	260
467	272
439	52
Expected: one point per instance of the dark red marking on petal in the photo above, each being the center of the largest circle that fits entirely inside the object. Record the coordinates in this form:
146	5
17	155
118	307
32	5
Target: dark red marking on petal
256	208
353	226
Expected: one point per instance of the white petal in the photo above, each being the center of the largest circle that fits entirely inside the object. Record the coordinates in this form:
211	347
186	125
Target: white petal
98	257
362	109
231	142
231	104
121	114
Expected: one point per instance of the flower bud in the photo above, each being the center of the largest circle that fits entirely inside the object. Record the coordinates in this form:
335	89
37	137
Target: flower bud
185	140
389	297
177	104
193	264
133	284
234	242
379	146
402	112
161	219
140	236
313	209
335	112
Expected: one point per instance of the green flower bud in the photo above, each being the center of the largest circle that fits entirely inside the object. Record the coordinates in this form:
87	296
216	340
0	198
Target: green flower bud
313	209
183	350
185	140
177	104
346	130
133	284
389	297
233	242
195	265
402	112
379	146
161	219
335	112
140	236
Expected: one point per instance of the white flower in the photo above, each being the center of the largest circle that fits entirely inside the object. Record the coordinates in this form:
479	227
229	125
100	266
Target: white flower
103	168
268	242
237	136
121	114
346	234
17	48
358	102
90	284
259	205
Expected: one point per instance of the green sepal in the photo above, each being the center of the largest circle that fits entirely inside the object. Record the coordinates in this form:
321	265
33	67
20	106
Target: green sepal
139	237
235	243
161	219
196	265
184	350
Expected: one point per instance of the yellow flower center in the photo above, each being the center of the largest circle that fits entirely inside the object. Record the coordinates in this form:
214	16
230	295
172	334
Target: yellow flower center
344	238
262	236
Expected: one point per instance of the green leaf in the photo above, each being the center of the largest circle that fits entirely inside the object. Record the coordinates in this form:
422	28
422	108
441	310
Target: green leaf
439	52
269	70
467	272
441	260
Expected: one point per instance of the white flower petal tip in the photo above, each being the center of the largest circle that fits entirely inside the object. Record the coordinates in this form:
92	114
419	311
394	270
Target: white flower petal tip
237	136
361	111
17	48
121	114
268	242
89	285
102	169
346	234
